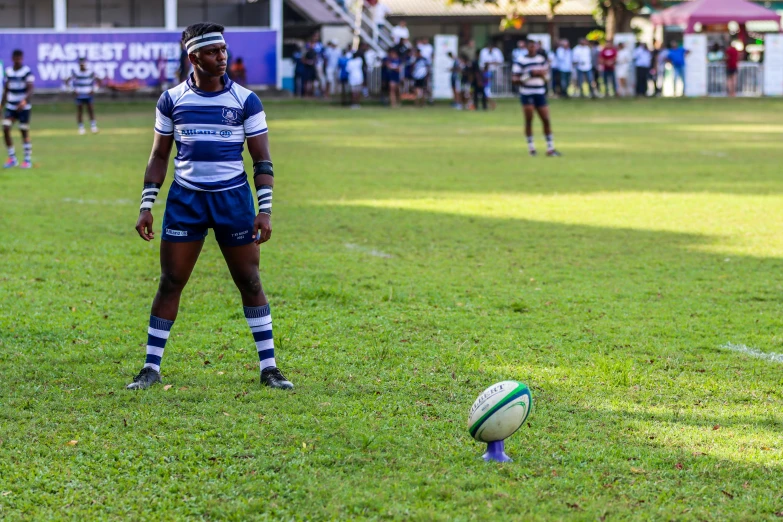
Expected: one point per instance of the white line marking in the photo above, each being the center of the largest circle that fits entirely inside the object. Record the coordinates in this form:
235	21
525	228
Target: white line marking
370	251
741	348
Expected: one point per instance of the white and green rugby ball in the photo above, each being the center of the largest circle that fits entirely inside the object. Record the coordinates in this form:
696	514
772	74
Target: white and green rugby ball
499	411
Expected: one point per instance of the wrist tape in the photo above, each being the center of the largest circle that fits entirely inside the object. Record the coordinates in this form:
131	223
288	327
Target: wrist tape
264	194
263	167
148	196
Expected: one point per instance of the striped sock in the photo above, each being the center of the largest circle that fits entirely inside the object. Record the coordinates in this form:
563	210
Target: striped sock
259	319
28	152
531	146
11	153
157	334
550	142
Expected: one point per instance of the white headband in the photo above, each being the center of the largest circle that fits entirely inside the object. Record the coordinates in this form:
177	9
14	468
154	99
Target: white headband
205	39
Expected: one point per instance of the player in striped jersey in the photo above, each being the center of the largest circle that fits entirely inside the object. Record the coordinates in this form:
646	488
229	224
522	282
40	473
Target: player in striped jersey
209	117
16	103
83	84
529	72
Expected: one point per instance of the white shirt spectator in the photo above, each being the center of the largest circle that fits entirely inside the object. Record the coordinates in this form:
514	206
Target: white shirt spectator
492	56
642	57
426	50
355	73
333	55
371	58
518	53
400	33
379	13
583	58
563	59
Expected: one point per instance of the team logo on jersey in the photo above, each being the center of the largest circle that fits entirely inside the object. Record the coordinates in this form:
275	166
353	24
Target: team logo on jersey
230	115
225	134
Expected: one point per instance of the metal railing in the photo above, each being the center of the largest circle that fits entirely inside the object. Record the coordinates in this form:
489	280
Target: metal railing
750	79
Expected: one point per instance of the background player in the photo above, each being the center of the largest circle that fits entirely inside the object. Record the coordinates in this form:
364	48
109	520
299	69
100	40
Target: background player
16	100
530	74
209	117
83	84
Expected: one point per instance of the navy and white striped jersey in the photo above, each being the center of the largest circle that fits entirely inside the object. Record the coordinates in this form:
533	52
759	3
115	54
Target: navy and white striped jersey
209	129
16	81
530	84
83	83
421	68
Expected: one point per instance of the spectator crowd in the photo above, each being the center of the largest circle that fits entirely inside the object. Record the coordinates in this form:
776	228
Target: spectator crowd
404	72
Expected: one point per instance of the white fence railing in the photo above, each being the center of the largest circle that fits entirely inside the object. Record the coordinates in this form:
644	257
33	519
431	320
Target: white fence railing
750	81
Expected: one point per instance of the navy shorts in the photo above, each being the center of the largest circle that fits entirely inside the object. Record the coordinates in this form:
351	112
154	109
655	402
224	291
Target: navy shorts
394	76
536	100
190	213
20	116
85	100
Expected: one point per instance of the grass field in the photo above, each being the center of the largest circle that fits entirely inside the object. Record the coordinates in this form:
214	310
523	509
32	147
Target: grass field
418	256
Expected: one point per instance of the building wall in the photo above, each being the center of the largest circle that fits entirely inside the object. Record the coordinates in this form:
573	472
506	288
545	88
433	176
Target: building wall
26	13
115	13
237	13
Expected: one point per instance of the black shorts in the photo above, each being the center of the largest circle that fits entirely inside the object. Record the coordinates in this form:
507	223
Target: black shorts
730	71
420	84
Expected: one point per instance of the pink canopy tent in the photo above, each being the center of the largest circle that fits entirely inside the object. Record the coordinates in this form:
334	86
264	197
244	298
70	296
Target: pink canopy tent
707	12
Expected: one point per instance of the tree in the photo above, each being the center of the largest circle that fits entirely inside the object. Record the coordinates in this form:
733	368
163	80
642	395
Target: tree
615	14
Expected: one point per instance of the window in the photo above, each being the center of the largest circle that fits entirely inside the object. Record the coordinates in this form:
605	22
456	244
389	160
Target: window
115	13
26	13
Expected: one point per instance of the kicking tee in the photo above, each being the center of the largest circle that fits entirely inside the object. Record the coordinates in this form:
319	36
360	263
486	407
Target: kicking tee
523	67
209	129
16	83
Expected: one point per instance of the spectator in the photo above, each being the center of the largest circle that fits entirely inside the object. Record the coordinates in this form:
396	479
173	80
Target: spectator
298	72
732	67
642	59
623	69
469	51
238	71
379	13
456	75
320	73
492	56
519	53
355	70
467	82
394	65
400	32
660	66
309	75
608	62
715	54
342	66
420	72
563	64
488	88
676	57
595	58
477	84
583	63
332	55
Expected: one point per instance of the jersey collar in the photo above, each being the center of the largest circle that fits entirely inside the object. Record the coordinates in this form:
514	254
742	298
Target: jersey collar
226	82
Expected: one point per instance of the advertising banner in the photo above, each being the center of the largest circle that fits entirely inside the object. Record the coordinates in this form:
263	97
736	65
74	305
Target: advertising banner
441	68
695	65
773	64
147	57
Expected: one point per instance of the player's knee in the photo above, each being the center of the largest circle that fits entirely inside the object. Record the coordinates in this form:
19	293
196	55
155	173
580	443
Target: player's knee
250	285
171	283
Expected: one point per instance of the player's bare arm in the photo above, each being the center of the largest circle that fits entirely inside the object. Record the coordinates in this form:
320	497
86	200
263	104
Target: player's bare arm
28	94
154	177
264	181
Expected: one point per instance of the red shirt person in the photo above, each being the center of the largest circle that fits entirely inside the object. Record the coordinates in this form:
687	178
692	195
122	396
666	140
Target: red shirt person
608	58
732	66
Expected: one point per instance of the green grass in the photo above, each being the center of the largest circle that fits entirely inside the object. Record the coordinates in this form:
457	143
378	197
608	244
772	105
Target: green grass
418	256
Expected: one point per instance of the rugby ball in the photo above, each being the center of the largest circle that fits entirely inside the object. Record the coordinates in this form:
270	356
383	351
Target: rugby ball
499	411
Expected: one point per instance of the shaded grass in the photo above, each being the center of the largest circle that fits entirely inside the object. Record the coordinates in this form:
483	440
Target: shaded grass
607	281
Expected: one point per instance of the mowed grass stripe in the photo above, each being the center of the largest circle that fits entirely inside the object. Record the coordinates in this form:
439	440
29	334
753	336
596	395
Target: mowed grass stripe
607	280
